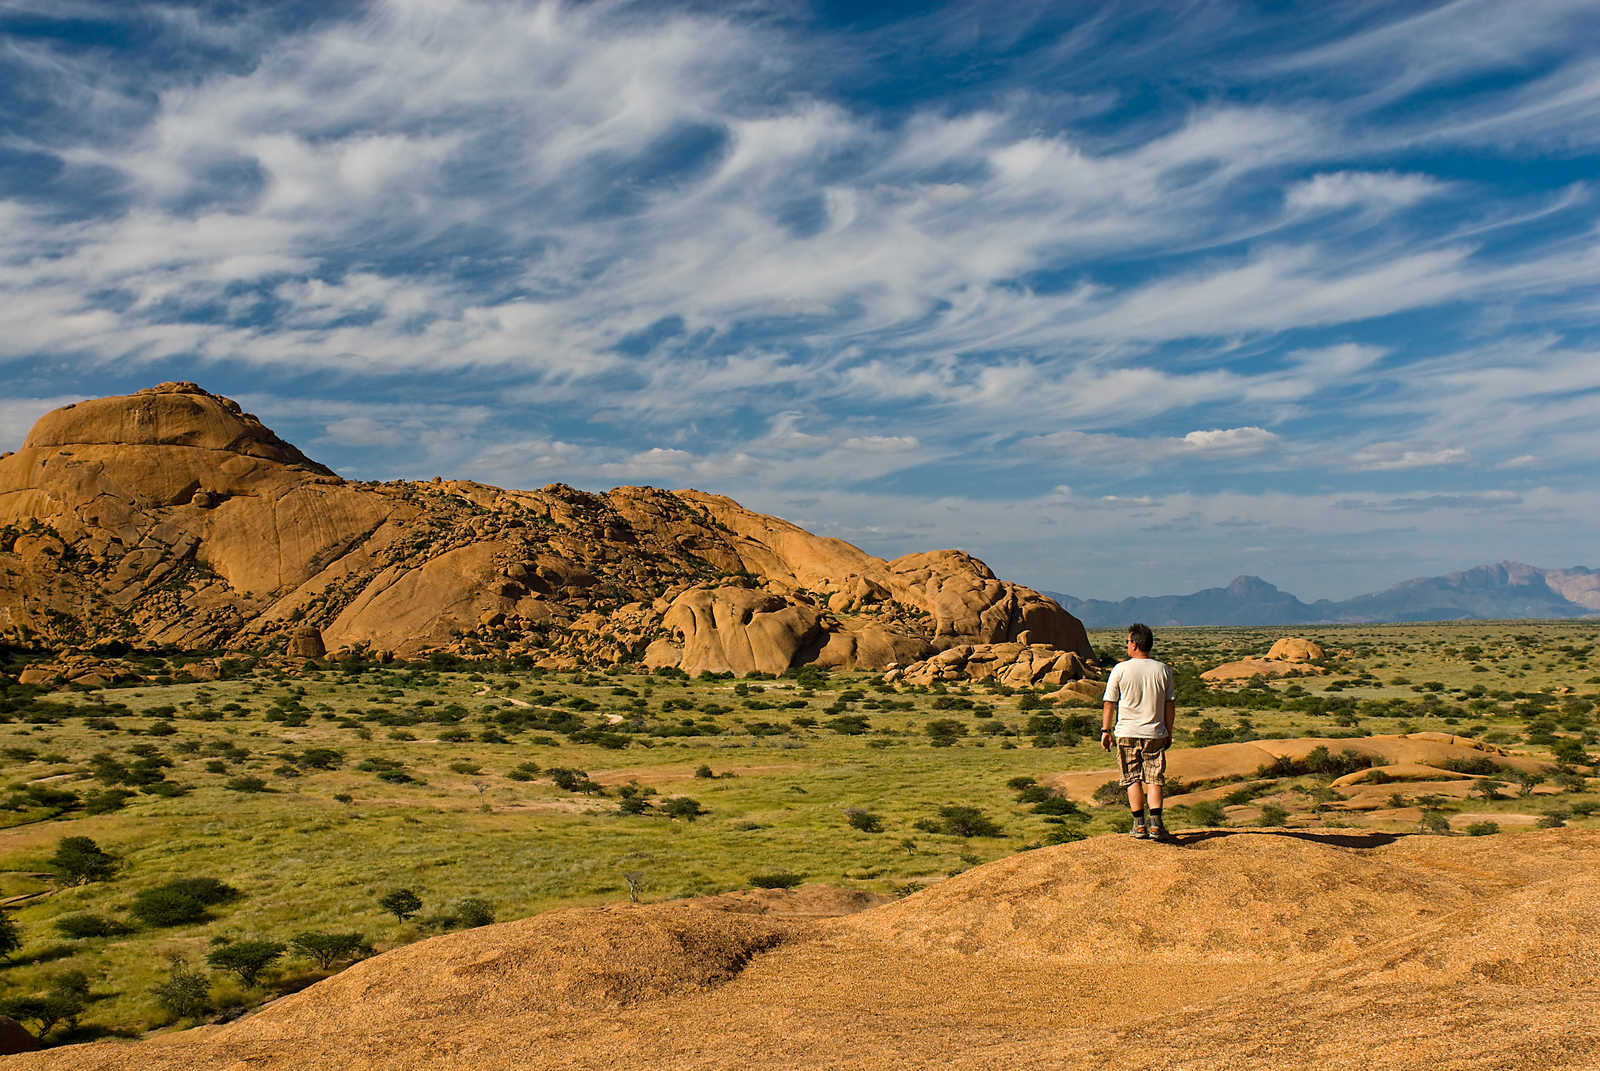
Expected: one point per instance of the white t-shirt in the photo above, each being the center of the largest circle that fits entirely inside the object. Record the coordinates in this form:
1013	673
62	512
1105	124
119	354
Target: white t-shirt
1141	688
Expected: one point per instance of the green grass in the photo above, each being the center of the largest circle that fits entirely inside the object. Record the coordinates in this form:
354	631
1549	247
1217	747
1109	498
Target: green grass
306	861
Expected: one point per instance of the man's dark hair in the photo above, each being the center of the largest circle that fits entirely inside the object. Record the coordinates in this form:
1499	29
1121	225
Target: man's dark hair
1142	637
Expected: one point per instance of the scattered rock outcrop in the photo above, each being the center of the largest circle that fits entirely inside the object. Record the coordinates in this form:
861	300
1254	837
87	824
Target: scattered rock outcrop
172	518
1290	656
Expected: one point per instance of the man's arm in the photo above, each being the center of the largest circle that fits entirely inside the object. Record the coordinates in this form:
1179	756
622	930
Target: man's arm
1170	715
1107	720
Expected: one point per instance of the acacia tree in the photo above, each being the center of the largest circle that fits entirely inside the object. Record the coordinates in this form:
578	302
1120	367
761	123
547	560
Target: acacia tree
326	949
247	959
401	903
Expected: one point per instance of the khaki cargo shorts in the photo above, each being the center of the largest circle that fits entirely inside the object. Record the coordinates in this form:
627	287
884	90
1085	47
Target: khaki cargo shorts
1142	760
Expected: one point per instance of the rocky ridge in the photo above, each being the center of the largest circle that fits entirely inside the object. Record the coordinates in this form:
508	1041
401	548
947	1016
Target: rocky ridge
172	518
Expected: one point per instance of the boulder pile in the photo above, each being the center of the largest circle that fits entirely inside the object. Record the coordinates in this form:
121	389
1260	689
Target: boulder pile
1019	664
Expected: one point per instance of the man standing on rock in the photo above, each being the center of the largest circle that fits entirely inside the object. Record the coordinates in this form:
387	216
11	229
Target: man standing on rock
1142	698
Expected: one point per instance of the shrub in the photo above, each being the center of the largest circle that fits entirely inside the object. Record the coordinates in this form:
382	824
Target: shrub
246	959
781	879
1435	822
111	799
1110	794
1018	784
704	771
1483	829
79	860
1056	805
81	926
1064	836
1272	815
181	901
186	992
401	903
246	783
326	949
849	724
472	911
943	732
962	821
1207	813
527	771
864	820
682	807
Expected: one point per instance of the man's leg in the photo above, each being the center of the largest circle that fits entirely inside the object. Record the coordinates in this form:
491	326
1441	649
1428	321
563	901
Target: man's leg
1136	799
1158	822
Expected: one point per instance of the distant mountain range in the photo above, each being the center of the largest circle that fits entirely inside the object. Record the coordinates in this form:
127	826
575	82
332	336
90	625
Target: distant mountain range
1505	590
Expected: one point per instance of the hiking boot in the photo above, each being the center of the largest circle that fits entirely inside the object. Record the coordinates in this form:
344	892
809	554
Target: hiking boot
1159	832
1139	831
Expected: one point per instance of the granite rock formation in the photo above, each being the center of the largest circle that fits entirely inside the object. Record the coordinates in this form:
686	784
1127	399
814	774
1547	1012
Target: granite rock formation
172	518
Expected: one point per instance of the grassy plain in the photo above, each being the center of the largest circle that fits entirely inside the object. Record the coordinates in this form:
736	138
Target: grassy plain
314	791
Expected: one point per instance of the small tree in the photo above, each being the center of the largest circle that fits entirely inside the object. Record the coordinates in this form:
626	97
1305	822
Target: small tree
863	820
326	949
10	936
247	959
635	880
401	903
781	879
186	992
1272	815
1488	788
1435	822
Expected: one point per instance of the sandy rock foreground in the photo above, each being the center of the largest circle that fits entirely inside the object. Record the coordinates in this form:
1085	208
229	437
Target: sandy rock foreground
1232	949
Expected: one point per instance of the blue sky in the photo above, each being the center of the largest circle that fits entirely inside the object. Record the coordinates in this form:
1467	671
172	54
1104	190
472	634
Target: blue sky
1123	298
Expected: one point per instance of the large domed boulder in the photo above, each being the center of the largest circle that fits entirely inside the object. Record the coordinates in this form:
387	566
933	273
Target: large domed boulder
169	414
1294	649
741	630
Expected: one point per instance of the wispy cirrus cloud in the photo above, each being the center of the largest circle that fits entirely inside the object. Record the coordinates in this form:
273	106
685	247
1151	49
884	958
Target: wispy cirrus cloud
759	251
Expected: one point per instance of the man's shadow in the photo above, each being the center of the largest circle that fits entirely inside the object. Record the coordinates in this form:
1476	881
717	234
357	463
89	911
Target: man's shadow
1339	840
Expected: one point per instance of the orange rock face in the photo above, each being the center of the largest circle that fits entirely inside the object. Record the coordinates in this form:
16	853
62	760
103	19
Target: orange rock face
171	517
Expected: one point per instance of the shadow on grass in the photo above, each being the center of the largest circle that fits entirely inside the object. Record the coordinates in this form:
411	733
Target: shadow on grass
43	955
1338	840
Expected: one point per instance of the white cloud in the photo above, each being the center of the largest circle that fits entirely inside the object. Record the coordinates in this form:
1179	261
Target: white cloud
1230	442
1386	456
1350	189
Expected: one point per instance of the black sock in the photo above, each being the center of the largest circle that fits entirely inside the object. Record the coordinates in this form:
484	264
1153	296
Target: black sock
1138	813
1155	816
